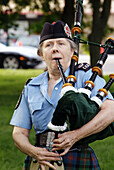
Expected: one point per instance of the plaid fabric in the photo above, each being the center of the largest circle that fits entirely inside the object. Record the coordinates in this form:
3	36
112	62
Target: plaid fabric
27	163
83	159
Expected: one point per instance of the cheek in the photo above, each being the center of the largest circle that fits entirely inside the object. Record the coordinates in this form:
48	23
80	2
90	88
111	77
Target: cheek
46	55
68	54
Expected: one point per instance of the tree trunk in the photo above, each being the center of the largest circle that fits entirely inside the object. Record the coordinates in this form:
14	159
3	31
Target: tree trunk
99	23
68	12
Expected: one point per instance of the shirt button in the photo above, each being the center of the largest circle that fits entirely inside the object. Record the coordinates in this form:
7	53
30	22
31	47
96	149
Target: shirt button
56	88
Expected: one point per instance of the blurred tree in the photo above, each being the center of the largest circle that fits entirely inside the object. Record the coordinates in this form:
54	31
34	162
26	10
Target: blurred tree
68	12
98	25
9	14
101	12
51	12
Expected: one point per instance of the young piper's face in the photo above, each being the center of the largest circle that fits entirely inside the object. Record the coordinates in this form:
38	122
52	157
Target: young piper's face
57	48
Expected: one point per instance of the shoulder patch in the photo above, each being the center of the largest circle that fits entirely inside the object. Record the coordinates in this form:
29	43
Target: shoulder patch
82	66
20	97
19	101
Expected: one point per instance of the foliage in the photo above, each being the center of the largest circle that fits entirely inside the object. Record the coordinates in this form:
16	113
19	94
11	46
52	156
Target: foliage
37	27
101	12
11	85
8	14
51	12
49	5
7	20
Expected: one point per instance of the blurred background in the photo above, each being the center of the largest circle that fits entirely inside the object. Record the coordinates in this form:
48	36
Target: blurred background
21	23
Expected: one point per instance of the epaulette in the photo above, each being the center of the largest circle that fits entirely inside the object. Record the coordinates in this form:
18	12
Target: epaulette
28	81
82	66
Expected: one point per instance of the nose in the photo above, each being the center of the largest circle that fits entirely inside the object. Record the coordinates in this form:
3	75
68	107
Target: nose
55	49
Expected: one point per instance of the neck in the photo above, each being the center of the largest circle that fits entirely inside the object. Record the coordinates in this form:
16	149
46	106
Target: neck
52	81
54	75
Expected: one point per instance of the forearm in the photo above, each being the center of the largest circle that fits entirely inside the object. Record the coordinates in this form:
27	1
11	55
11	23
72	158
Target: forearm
99	122
22	143
42	155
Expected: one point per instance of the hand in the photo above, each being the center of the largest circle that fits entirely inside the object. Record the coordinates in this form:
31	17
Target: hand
43	156
64	141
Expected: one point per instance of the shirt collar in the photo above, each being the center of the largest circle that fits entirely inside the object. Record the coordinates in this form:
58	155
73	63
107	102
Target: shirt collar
43	78
39	79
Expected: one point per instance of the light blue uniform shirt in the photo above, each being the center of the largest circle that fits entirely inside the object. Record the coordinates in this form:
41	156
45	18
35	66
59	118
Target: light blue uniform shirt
36	107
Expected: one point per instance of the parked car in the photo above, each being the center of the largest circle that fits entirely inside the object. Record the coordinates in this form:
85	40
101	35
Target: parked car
18	57
30	40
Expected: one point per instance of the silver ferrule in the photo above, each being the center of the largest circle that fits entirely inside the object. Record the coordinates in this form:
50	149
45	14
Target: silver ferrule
89	85
100	62
77	24
101	93
71	80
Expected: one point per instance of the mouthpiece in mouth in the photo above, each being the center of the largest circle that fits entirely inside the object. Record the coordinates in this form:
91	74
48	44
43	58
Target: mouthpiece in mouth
57	58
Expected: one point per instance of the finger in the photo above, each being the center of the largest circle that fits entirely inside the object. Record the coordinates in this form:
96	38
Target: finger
58	140
65	151
42	167
60	145
48	164
46	158
46	153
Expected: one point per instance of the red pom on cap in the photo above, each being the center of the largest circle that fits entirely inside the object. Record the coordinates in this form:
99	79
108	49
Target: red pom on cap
53	22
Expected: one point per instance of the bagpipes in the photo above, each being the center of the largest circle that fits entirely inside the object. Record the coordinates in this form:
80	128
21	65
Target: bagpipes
76	108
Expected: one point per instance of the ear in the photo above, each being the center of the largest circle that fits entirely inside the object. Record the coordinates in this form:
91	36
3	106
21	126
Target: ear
42	57
72	52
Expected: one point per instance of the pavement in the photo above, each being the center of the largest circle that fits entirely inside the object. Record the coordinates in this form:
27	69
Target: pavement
108	67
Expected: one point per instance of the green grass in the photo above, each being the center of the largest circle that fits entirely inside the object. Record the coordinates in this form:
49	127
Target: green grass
11	85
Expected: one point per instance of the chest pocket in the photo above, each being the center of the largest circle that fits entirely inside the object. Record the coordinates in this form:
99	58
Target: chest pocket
35	106
39	116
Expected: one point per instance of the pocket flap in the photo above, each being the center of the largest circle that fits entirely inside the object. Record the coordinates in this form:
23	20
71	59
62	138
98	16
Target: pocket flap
35	106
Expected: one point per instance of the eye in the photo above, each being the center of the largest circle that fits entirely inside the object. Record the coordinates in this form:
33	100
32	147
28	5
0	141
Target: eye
60	43
48	45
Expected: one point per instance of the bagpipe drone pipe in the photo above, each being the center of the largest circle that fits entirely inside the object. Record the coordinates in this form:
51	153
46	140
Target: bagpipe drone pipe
76	108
